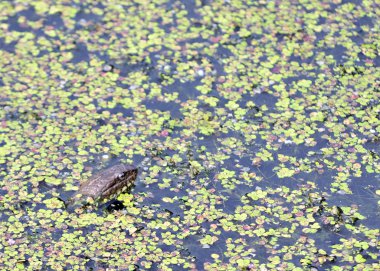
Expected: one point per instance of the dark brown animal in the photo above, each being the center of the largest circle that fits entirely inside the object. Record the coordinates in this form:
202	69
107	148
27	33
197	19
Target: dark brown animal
105	184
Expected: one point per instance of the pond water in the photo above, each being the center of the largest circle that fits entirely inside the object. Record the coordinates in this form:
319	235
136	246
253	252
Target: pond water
254	124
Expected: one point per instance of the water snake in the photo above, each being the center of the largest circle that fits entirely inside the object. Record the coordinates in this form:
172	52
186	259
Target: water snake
103	185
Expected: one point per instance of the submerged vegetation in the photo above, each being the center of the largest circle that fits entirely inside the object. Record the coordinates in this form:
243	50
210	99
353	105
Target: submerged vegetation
256	125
